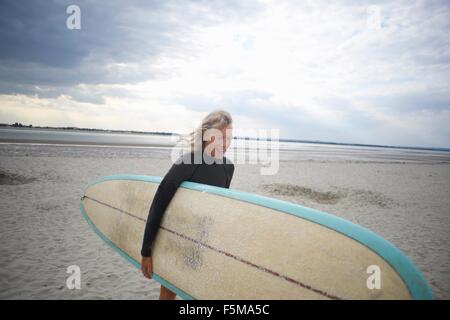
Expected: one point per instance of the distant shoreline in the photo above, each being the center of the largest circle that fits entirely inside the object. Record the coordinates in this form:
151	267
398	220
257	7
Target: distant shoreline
20	126
83	143
3	125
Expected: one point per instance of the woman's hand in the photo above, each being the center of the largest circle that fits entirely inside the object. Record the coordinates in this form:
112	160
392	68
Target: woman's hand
147	267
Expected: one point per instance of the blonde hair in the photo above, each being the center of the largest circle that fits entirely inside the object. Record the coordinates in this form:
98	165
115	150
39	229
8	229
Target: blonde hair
217	119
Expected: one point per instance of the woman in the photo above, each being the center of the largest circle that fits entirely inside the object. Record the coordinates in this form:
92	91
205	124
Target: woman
204	163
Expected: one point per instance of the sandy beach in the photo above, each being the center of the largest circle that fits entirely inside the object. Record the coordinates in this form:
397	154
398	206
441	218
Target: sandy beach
42	231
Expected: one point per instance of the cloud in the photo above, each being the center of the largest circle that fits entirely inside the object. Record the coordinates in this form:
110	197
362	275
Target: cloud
117	42
352	71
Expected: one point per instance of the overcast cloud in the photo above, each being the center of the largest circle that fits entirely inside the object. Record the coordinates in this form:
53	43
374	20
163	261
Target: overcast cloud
350	71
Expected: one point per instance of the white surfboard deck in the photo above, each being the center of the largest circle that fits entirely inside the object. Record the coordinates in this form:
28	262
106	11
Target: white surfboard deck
217	243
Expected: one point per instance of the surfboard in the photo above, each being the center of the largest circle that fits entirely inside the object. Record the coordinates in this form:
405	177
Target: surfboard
218	243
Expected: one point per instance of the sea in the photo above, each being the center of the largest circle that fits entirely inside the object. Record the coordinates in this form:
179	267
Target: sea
56	141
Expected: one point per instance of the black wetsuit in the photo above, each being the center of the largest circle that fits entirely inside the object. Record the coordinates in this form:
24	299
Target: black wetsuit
206	172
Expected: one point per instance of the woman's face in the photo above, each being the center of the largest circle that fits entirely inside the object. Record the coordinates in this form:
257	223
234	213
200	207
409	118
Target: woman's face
219	141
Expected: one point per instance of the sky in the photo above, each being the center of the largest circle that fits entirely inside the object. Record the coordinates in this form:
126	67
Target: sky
375	72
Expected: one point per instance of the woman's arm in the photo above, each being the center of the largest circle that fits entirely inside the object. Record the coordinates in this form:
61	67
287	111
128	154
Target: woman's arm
164	194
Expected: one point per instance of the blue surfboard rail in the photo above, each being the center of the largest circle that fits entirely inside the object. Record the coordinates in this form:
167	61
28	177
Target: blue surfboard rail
410	274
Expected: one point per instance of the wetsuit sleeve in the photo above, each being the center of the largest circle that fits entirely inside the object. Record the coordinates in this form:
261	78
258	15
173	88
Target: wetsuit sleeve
165	192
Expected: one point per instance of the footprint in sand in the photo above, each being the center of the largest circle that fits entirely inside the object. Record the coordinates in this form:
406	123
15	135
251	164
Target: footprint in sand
13	179
292	190
365	197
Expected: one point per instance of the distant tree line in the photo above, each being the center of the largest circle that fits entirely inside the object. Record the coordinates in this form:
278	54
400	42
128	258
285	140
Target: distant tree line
16	124
20	125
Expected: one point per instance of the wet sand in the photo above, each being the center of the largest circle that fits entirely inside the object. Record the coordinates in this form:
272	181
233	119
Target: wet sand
42	231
